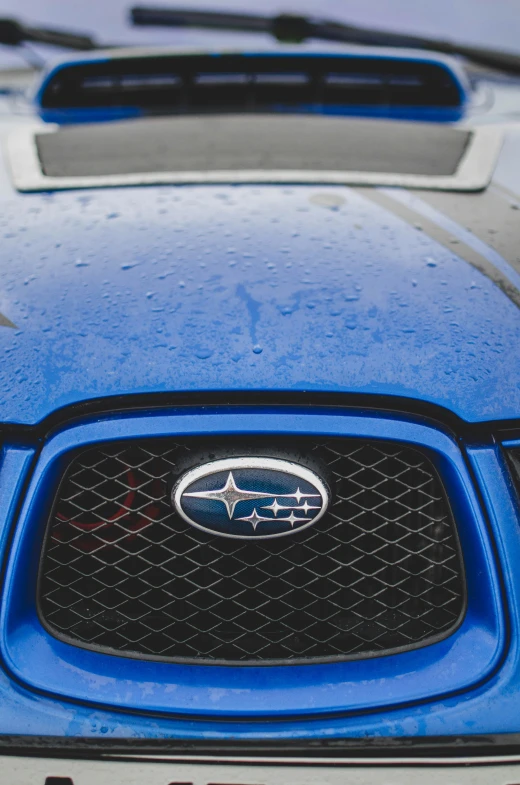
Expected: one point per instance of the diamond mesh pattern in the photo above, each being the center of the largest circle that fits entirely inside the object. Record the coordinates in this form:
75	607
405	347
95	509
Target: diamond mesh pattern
381	570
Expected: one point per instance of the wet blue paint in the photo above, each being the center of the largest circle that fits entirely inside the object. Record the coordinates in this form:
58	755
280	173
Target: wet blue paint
239	289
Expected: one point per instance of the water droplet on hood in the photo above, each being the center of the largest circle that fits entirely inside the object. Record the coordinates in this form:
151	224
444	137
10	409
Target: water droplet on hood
203	352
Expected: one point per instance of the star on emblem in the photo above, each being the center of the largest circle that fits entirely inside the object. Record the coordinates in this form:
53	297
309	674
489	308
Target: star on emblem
254	518
275	507
231	495
306	507
298	495
292	519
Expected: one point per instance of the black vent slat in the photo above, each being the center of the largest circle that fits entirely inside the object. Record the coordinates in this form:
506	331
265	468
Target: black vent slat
380	571
257	83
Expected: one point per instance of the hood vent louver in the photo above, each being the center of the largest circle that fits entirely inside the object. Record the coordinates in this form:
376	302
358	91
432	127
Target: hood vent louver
382	85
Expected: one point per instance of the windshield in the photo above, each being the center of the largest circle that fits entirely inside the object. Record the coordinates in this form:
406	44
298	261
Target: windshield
477	22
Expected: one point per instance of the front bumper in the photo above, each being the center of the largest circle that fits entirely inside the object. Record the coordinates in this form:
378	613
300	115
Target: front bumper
464	761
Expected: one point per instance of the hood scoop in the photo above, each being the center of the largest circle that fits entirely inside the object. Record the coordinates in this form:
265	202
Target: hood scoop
385	85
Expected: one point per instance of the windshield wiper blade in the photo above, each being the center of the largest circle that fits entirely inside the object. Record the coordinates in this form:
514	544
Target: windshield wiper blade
289	28
15	33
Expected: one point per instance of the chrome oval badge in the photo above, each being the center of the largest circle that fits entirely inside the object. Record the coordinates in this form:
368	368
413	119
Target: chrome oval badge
250	498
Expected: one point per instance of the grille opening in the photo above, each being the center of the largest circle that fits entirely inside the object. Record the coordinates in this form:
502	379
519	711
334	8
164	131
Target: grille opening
233	82
381	571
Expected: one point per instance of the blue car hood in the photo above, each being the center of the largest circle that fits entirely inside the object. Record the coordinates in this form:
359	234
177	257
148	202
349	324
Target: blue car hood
179	289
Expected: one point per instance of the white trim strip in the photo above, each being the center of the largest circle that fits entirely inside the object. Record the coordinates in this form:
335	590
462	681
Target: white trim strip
473	173
22	770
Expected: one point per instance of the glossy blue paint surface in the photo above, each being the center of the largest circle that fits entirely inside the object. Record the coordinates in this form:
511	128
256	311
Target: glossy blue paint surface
456	663
490	708
243	288
15	464
433	114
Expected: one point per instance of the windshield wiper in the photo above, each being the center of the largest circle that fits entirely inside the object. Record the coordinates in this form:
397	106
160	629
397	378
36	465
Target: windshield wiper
289	28
15	33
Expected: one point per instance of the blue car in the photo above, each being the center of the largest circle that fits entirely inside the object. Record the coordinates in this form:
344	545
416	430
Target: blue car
259	401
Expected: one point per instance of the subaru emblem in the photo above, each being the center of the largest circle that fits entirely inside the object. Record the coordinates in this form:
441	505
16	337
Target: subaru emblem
250	498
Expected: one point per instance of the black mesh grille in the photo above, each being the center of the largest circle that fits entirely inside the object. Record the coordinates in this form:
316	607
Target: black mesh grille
381	570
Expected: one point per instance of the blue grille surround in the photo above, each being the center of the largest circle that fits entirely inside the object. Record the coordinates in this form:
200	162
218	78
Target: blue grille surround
457	663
